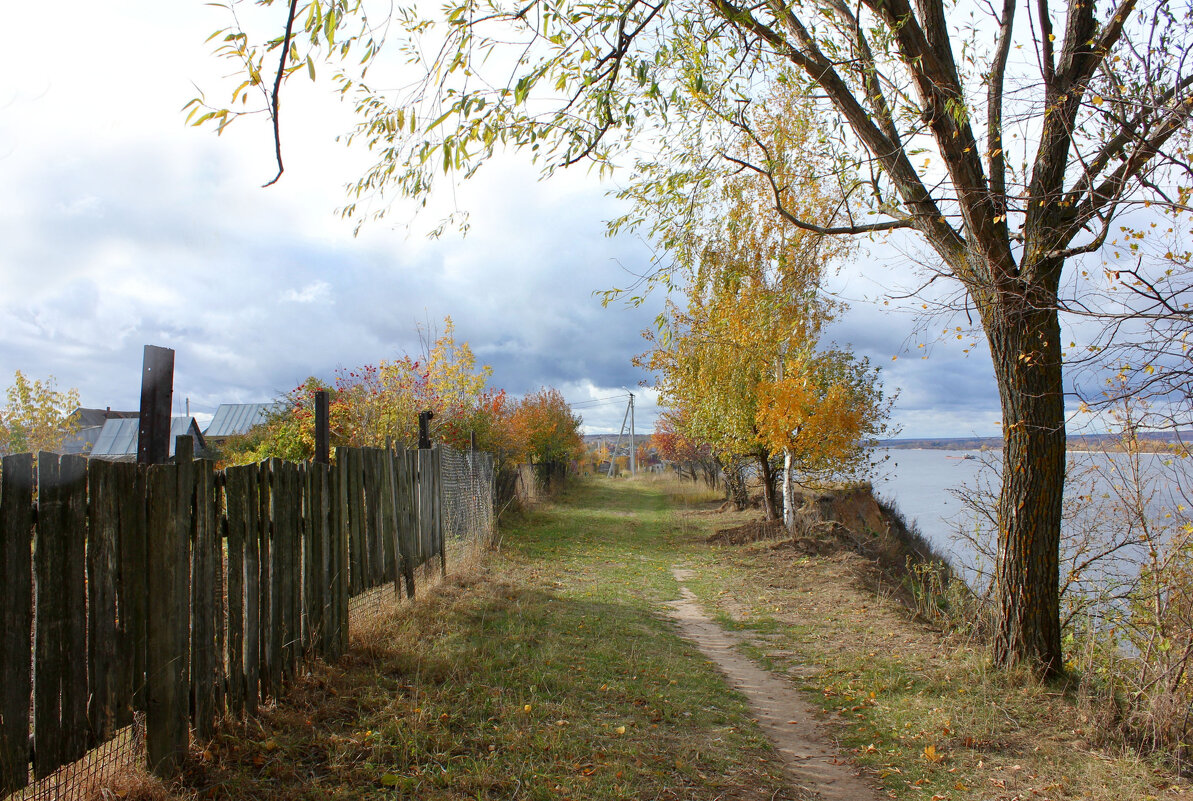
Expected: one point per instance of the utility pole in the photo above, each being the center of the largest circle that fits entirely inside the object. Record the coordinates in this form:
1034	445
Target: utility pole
633	444
620	431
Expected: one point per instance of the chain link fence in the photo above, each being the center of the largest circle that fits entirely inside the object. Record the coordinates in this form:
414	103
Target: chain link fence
466	494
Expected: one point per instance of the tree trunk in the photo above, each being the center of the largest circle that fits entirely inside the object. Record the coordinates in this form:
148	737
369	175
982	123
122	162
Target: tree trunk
735	486
768	485
1024	337
788	492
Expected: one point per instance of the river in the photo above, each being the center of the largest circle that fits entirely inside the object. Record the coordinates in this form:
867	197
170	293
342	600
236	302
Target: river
918	483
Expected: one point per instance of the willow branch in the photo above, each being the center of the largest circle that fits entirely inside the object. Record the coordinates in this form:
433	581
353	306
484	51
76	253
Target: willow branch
277	87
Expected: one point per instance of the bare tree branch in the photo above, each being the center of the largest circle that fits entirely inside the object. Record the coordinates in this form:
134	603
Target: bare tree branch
277	86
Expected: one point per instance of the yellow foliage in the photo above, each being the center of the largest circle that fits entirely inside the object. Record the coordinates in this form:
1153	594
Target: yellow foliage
37	416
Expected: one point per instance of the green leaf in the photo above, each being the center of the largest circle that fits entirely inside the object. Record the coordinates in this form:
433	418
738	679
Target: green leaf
310	67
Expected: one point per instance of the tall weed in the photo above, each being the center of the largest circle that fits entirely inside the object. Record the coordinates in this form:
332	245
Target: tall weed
1126	581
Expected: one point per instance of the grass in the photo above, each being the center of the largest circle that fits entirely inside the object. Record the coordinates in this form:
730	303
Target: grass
920	709
547	674
550	673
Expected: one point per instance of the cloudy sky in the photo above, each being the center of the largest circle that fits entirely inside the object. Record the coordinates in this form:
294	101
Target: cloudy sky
120	227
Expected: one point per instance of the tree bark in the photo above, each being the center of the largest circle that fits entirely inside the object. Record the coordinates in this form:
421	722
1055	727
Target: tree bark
768	485
735	486
1023	330
788	492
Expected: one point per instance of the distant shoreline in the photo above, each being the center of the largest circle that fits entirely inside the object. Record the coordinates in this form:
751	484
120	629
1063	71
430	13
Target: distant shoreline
1151	440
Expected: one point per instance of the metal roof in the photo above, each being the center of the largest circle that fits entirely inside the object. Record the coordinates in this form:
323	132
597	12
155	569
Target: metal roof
118	438
89	418
82	440
238	418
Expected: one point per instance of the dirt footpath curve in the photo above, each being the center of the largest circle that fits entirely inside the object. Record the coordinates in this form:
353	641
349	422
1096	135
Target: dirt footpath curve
789	722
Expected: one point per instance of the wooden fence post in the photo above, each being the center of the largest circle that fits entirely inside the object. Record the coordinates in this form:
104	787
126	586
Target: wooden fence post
16	619
439	528
322	427
157	391
426	507
424	429
324	616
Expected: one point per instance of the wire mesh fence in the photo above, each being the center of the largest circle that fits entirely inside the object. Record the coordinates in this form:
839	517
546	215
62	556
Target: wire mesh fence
466	487
100	769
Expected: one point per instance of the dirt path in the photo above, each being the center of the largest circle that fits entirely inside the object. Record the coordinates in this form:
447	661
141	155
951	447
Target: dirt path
788	721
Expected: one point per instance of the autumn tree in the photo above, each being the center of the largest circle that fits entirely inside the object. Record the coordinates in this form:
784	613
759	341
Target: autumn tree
754	310
1008	137
824	411
37	416
688	457
374	404
549	433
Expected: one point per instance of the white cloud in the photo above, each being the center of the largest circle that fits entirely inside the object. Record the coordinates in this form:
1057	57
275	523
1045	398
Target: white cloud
314	292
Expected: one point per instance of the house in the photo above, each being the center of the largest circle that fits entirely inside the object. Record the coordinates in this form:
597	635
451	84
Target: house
234	419
118	438
90	423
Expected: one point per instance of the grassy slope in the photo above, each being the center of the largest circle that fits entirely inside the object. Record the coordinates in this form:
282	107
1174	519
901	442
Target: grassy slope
920	710
517	681
548	675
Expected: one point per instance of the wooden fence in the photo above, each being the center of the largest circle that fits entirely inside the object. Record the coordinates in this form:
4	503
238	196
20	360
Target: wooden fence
184	592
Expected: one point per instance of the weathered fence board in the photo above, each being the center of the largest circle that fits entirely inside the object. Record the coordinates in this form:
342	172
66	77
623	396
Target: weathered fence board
206	604
437	505
134	576
252	587
60	644
235	527
264	581
104	651
275	658
389	516
376	533
167	645
186	592
408	532
314	558
342	526
290	513
16	618
426	506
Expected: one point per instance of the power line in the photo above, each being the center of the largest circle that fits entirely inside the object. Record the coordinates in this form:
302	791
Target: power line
606	399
